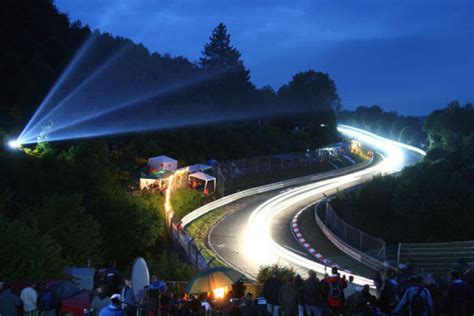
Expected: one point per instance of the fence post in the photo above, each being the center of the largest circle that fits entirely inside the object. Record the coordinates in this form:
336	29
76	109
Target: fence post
327	212
197	256
398	252
189	247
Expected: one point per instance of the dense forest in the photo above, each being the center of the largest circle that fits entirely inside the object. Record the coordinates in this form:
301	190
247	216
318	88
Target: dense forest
64	203
429	202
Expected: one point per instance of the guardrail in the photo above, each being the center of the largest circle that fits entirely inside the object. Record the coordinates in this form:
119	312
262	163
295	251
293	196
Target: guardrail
184	243
345	247
269	187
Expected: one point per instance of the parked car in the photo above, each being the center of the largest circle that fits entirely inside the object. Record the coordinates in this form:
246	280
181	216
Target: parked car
69	298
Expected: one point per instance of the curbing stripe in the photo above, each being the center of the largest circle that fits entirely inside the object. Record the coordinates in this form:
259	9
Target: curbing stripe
302	241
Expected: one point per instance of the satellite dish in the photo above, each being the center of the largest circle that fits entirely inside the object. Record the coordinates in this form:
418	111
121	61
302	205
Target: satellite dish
140	278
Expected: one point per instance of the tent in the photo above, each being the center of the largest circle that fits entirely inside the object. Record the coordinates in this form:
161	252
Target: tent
204	177
198	167
153	178
163	163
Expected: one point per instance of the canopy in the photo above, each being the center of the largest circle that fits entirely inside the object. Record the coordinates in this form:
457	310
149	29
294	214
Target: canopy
202	176
211	279
198	167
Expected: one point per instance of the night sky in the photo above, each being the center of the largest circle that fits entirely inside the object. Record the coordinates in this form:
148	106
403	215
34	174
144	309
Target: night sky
409	56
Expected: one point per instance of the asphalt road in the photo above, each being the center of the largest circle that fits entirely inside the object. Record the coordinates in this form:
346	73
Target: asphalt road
258	232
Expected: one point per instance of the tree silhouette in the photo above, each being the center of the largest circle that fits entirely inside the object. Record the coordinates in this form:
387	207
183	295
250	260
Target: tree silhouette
310	90
220	57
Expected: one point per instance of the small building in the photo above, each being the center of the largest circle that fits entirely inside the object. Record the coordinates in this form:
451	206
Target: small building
162	163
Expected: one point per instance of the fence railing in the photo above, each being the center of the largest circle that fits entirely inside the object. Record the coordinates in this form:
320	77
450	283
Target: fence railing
433	258
351	235
436	258
228	171
187	247
355	243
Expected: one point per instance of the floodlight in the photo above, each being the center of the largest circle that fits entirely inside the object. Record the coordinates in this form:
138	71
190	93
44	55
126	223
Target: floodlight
15	144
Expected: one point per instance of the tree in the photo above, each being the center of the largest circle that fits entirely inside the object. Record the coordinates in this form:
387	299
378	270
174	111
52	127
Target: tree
78	233
168	266
221	59
26	253
310	91
186	200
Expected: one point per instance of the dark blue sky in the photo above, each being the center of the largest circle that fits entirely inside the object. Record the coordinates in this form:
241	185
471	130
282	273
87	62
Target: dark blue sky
410	56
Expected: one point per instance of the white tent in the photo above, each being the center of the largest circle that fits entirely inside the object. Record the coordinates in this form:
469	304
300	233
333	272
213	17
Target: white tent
204	177
198	167
163	163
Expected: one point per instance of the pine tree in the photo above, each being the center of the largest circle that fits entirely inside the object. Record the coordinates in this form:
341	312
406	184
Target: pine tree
223	60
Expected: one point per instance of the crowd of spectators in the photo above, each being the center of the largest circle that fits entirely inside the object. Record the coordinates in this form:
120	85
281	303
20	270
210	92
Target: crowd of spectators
396	292
401	292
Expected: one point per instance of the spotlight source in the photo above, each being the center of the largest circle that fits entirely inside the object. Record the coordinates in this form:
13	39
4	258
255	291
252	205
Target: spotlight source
15	144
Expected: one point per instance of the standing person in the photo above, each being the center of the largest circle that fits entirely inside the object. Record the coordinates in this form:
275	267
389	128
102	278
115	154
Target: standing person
29	297
128	298
271	290
247	308
100	300
417	298
288	298
389	297
362	303
46	304
351	287
9	302
114	308
334	292
459	294
299	283
112	278
312	295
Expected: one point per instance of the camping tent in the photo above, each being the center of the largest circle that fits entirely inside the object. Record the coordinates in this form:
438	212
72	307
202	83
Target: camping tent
204	177
163	163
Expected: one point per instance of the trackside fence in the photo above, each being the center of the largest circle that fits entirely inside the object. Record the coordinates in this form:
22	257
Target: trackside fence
185	244
432	258
436	258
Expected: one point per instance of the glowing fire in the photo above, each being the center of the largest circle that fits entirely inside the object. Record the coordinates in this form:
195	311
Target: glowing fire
219	293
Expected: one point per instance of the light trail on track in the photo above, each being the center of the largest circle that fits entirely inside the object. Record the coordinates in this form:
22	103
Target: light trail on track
254	244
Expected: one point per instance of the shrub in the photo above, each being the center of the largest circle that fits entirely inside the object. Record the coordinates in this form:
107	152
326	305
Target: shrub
284	273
